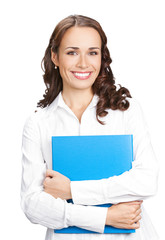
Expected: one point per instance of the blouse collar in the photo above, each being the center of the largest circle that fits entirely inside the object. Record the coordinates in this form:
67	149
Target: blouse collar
59	102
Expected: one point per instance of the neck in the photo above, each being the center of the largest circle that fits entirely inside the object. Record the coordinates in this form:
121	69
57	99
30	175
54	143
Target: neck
77	99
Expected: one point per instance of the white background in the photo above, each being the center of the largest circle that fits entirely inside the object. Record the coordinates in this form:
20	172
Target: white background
136	39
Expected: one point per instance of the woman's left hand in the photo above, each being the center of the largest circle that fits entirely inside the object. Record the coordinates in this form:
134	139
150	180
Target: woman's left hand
57	185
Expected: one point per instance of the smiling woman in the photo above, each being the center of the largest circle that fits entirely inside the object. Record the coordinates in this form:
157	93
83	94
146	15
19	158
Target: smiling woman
78	46
92	51
80	65
80	89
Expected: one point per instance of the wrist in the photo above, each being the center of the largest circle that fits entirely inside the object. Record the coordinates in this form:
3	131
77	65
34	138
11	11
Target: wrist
70	193
109	218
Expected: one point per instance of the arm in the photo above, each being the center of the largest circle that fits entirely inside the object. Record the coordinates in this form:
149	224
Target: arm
122	215
39	206
138	183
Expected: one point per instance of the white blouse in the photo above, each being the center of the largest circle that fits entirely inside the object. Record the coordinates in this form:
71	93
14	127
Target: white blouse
138	183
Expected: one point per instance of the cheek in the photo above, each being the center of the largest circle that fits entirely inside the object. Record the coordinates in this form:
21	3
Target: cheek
66	62
97	65
96	62
64	66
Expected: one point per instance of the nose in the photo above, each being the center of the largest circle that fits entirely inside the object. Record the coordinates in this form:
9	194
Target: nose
82	62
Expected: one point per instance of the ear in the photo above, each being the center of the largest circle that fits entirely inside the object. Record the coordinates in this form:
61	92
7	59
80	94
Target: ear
54	58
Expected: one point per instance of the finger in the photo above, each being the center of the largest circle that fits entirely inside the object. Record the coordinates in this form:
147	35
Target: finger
135	225
47	179
135	202
50	173
138	212
136	216
137	219
136	209
137	206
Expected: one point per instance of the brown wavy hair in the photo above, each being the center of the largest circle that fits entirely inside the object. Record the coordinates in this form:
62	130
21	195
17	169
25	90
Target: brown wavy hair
104	85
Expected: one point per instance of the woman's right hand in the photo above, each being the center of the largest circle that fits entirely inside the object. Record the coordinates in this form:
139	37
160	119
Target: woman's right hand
124	215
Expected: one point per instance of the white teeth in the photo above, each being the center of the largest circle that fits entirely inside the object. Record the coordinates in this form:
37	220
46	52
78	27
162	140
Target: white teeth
81	74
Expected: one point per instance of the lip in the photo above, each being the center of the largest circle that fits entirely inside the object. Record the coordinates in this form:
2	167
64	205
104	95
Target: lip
80	76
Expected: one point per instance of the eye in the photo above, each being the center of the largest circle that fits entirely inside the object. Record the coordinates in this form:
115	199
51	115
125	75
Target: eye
93	53
72	53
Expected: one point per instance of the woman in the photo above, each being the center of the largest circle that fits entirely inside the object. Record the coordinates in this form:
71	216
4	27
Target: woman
81	99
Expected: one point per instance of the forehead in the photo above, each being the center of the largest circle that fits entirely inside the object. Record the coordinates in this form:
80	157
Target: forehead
81	37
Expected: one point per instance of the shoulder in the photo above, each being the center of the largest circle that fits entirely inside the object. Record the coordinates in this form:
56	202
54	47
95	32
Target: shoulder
42	114
35	118
134	115
37	115
134	107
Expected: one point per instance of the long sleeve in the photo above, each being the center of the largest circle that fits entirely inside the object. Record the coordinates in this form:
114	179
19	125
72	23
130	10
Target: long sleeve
138	183
41	207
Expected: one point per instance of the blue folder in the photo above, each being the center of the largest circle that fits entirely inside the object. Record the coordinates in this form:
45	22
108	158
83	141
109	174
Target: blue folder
92	158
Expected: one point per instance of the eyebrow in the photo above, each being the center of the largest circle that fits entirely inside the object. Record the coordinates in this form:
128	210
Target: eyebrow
91	48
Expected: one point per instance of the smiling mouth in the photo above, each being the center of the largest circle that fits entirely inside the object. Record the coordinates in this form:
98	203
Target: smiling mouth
82	75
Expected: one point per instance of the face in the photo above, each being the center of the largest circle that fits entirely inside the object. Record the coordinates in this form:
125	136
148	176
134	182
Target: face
79	58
